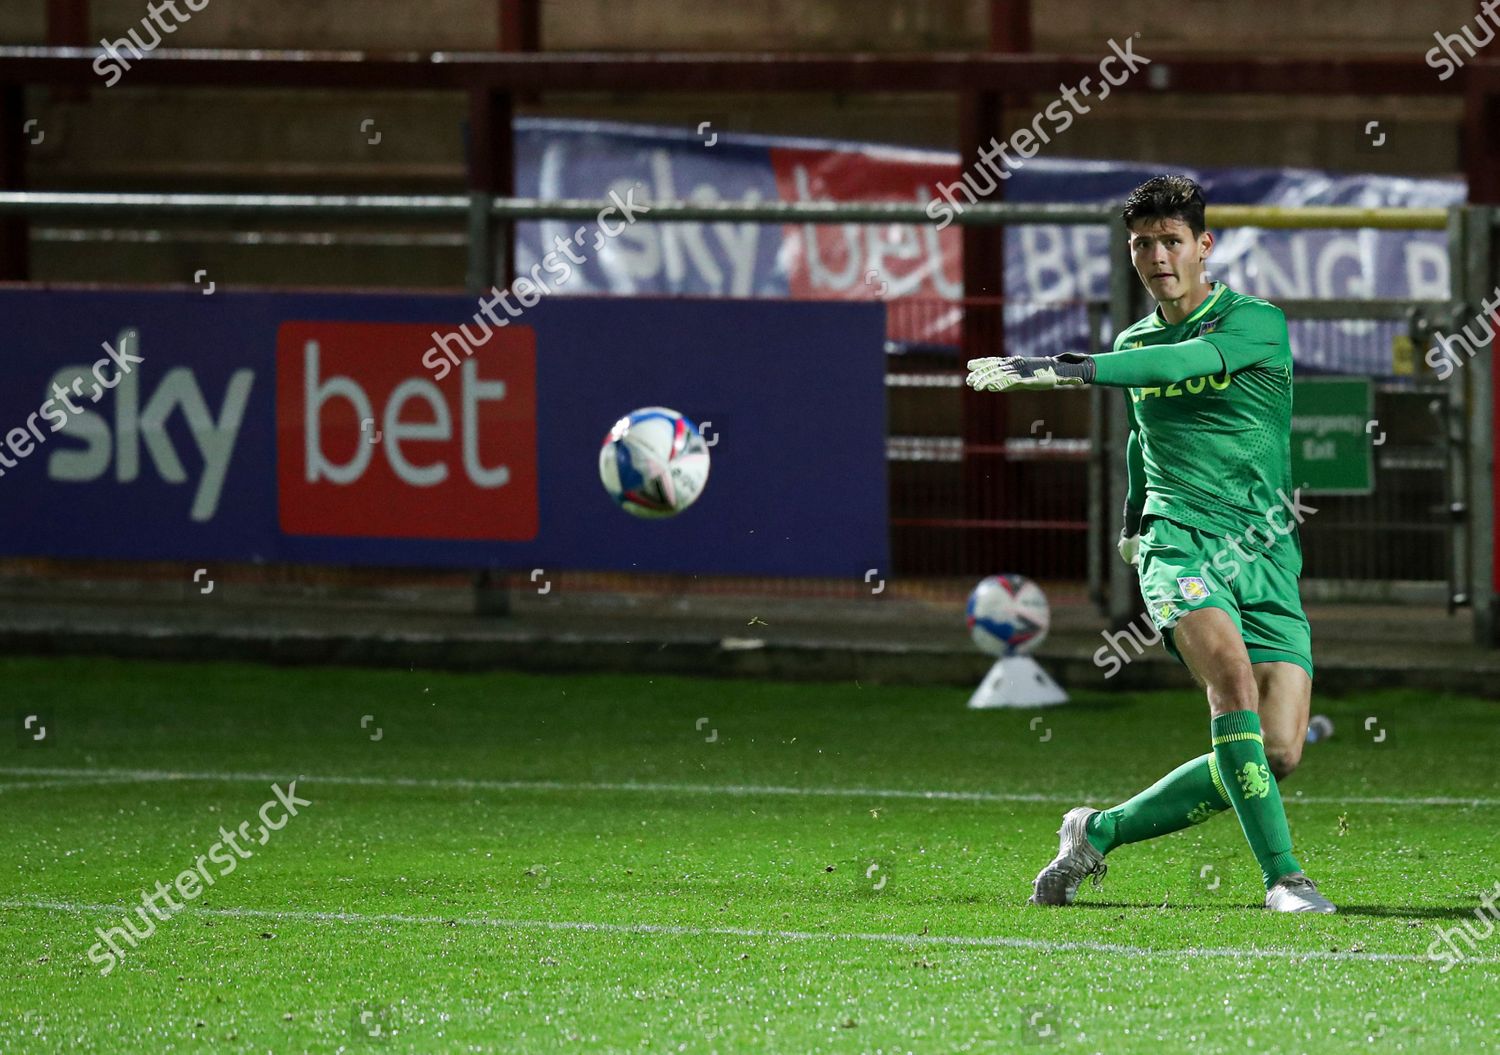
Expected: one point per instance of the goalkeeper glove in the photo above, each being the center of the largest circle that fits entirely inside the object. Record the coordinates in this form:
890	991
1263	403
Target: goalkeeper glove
998	373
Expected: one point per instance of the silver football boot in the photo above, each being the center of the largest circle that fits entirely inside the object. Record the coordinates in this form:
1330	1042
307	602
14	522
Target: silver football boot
1076	859
1297	893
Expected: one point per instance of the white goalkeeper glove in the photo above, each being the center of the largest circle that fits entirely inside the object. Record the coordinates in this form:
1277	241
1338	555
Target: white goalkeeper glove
999	373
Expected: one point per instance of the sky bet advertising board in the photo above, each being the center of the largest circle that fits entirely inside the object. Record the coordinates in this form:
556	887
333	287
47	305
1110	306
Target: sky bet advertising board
1043	262
306	428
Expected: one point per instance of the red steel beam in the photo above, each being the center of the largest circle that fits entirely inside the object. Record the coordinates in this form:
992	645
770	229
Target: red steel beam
1481	133
492	113
520	25
14	236
733	72
987	479
67	23
68	26
505	74
492	168
1010	26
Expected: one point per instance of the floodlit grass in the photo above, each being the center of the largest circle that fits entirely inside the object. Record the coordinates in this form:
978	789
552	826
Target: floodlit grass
503	882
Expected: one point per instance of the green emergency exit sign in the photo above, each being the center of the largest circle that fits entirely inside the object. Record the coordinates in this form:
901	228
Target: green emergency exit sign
1334	435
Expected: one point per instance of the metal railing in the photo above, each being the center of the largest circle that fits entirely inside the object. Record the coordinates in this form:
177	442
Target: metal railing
1036	490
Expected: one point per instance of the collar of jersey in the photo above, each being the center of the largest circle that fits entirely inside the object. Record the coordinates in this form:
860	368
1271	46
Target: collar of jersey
1161	323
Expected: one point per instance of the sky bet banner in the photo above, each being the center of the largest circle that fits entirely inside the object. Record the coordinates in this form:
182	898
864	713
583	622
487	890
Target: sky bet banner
305	428
573	159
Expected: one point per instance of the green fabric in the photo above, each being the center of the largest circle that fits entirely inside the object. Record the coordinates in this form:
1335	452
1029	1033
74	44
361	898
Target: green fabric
1213	416
1241	756
1160	365
1186	796
1135	469
1184	568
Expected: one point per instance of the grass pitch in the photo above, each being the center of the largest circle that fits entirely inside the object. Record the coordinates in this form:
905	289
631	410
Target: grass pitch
586	864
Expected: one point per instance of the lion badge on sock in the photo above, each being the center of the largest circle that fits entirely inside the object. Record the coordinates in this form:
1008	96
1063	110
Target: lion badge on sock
1201	812
1255	780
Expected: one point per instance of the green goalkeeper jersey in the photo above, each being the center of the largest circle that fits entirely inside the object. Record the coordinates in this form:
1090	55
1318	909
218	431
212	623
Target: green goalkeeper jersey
1212	418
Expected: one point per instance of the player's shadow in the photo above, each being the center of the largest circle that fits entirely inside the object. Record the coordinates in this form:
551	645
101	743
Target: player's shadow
1155	906
1393	911
1429	912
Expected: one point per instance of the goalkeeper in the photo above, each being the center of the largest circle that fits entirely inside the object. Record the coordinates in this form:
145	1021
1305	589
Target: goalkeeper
1211	524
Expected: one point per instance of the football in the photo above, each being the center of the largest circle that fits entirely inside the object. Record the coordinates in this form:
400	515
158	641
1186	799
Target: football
654	462
1008	615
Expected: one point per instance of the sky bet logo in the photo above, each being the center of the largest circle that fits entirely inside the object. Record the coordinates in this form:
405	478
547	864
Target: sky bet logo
369	447
120	437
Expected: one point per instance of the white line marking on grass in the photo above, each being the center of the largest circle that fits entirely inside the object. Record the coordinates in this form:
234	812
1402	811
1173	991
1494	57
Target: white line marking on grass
465	784
28	785
675	930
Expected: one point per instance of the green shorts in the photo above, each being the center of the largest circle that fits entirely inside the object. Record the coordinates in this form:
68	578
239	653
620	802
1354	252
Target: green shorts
1184	568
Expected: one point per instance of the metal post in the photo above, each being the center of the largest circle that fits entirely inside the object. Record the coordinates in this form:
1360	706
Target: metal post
520	25
491	257
481	271
1476	283
987	477
1453	423
491	593
68	27
491	175
67	23
990	478
15	239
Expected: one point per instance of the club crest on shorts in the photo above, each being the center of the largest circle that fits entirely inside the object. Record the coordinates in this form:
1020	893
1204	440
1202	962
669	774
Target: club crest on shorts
1193	588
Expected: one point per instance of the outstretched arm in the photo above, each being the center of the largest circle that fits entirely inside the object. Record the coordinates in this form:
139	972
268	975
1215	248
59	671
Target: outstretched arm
1251	335
1160	364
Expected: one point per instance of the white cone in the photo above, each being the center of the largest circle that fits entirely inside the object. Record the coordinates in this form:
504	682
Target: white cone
1017	681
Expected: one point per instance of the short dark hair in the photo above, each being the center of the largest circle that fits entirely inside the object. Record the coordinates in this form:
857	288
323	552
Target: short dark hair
1166	198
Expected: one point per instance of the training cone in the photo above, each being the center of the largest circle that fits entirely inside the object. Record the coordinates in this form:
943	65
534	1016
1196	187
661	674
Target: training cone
1017	681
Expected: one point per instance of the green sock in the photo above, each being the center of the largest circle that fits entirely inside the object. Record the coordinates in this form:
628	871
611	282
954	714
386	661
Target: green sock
1241	755
1188	795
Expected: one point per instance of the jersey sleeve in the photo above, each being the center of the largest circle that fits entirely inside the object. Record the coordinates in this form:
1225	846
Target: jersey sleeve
1157	364
1250	335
